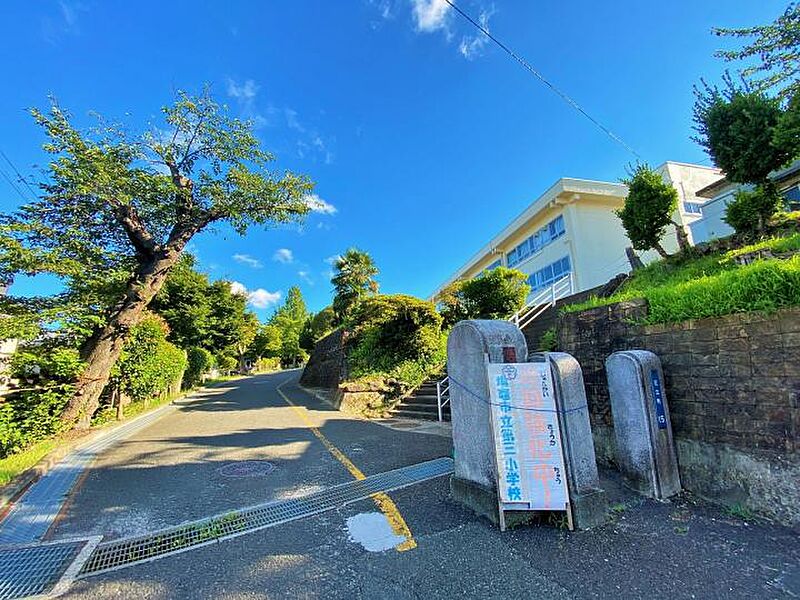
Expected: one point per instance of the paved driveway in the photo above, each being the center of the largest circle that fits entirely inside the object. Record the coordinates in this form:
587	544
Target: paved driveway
170	472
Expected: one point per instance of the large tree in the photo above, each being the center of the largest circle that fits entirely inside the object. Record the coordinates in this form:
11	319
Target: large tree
648	211
353	279
117	204
774	52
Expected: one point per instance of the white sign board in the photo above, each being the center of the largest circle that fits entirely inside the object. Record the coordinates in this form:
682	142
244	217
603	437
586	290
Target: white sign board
527	437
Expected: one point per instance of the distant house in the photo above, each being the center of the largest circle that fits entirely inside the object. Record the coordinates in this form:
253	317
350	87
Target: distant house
712	225
572	230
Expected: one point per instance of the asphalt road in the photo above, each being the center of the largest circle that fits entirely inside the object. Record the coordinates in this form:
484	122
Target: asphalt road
170	472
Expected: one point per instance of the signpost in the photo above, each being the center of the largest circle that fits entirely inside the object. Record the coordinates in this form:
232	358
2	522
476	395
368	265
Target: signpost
527	439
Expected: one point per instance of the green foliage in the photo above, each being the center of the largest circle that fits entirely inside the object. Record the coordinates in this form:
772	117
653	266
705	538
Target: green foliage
226	363
740	131
289	320
774	52
149	364
317	327
353	279
267	341
548	342
495	294
762	286
749	211
48	374
268	365
395	335
185	302
712	285
777	245
199	362
648	208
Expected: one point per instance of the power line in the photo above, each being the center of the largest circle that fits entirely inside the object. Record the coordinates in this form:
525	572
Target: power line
526	65
12	184
19	175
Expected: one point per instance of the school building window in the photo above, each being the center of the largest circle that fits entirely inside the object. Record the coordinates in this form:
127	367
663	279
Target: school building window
544	236
548	275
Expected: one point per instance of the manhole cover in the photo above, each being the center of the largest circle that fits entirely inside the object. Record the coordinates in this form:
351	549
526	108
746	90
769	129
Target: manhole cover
247	468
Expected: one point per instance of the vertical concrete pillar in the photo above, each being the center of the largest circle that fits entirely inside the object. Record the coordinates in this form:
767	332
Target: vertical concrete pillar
588	500
642	429
470	346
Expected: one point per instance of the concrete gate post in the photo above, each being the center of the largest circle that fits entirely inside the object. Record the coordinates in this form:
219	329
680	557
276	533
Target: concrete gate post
470	346
642	428
588	499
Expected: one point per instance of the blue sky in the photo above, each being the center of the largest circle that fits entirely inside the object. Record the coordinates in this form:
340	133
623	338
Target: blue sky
423	140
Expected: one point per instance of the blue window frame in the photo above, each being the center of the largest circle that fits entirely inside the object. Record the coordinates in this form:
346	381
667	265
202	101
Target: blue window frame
545	276
493	266
693	208
531	245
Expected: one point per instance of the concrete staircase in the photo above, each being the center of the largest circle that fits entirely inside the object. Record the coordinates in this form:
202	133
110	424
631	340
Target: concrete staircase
422	403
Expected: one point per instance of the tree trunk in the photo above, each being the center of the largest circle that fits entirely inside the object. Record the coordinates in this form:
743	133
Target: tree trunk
660	249
683	238
103	348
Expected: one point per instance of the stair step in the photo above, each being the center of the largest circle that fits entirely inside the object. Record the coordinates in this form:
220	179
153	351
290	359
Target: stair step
412	414
420	407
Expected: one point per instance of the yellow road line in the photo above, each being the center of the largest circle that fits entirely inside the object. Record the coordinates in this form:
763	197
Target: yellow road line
382	500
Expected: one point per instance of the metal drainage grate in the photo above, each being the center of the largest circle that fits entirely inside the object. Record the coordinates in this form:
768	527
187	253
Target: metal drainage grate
37	569
121	553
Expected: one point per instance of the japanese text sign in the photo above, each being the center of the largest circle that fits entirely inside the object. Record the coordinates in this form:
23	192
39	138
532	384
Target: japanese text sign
527	437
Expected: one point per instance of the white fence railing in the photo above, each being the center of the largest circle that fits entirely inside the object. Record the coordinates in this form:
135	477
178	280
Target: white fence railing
542	301
442	395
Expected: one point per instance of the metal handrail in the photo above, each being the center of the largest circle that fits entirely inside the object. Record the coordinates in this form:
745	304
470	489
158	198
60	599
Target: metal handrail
542	301
442	390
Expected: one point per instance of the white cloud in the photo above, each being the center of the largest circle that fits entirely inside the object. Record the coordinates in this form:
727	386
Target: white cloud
331	260
304	275
430	15
318	205
245	95
245	91
238	288
261	298
283	255
248	260
472	46
258	298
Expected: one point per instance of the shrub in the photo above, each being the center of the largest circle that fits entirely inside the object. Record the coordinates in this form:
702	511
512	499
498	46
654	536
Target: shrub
149	364
648	210
199	361
495	294
750	210
548	341
34	413
226	363
396	328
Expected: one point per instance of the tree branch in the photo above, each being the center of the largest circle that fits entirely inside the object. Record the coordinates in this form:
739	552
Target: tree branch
136	231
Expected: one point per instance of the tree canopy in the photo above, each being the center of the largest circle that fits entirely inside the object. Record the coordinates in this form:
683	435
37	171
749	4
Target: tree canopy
648	210
353	279
775	50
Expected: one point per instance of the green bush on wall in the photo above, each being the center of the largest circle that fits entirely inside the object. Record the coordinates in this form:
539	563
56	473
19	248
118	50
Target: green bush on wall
397	335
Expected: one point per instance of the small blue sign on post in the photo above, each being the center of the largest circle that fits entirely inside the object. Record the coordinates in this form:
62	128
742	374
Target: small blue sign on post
658	398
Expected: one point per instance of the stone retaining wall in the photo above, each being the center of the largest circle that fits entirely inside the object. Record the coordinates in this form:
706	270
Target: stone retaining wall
327	365
733	386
